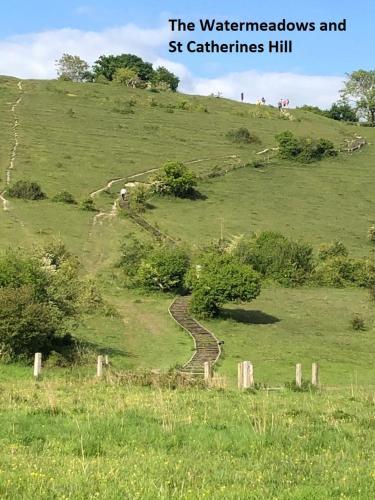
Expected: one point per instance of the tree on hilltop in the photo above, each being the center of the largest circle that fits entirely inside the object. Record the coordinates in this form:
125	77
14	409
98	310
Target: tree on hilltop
162	75
360	87
72	68
128	77
108	65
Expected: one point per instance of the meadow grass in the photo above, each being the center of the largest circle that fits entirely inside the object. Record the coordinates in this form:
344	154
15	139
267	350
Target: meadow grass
283	327
86	439
323	202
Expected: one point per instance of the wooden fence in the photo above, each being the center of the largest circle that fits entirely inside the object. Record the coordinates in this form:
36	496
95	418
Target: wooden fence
246	379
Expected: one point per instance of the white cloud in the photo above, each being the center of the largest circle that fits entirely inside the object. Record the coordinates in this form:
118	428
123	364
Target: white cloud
34	56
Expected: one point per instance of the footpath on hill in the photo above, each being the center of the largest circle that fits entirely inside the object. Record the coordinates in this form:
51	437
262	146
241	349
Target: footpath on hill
13	154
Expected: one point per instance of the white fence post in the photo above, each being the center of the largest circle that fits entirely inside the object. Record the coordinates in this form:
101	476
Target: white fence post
207	371
299	375
99	367
315	374
37	364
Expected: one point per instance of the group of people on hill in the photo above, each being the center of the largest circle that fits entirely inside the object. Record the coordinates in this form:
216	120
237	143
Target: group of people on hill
283	103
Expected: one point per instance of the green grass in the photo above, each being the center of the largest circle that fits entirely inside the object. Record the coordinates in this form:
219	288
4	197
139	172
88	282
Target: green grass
318	203
283	327
143	336
86	439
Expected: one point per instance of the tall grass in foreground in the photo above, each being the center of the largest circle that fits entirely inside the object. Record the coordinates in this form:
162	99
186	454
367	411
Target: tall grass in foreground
88	439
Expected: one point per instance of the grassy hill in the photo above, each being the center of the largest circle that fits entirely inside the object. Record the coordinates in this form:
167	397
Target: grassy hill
78	137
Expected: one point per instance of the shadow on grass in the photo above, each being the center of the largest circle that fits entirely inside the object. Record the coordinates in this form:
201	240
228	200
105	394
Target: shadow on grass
196	195
107	350
252	317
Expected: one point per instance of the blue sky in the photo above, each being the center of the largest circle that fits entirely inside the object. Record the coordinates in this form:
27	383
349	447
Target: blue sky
315	54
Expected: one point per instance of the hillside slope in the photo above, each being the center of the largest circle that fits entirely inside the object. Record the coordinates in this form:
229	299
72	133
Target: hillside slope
78	137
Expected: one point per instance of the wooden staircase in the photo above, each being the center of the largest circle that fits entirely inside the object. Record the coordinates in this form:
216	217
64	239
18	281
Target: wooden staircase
206	344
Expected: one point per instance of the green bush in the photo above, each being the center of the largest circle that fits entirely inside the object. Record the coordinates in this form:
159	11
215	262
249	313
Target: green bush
28	325
183	104
242	136
329	250
175	179
304	149
357	322
39	301
133	251
275	256
128	77
164	269
27	190
64	197
342	271
371	233
221	278
88	205
139	197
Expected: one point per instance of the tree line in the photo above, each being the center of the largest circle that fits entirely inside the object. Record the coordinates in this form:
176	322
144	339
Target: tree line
126	69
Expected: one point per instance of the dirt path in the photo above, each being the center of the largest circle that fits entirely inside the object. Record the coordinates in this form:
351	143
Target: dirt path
114	210
13	155
99	217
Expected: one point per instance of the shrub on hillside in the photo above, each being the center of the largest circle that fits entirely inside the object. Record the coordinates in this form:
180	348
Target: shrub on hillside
357	322
304	149
29	325
221	278
88	205
342	271
371	233
27	190
39	301
242	136
133	251
139	197
329	250
175	179
275	256
64	197
164	268
128	77
183	104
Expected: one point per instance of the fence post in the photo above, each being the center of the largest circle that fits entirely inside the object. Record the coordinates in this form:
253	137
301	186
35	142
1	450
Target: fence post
37	364
240	375
207	371
315	374
106	360
299	375
247	374
99	366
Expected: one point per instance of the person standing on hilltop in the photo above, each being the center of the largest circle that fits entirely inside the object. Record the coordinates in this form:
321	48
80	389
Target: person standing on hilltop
280	104
263	101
